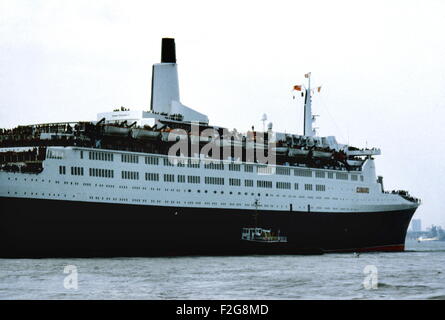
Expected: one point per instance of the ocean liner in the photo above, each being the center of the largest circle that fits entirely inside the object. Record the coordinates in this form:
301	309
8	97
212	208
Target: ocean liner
165	182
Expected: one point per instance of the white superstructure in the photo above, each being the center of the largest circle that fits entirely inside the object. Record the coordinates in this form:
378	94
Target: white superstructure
92	175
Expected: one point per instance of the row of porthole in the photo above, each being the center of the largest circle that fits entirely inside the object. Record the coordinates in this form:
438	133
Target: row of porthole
189	190
178	202
239	193
120	187
185	202
43	194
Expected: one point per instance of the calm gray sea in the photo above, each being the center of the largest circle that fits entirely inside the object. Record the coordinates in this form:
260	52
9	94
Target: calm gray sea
417	273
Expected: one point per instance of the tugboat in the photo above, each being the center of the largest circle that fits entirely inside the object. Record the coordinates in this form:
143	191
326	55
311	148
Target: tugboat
262	235
258	240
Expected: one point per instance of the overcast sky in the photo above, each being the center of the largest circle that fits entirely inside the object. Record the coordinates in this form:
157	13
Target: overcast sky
380	63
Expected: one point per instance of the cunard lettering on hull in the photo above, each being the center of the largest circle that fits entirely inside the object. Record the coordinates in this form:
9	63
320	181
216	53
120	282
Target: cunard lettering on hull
197	187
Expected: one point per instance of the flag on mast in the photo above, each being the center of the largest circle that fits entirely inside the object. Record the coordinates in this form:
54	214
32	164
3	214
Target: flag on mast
319	88
307	75
297	87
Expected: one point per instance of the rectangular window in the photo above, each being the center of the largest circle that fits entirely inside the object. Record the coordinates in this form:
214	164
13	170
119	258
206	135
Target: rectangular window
193	163
55	154
149	176
319	174
354	177
77	171
341	176
296	186
248	168
235	182
154	161
214	165
303	172
283	185
320	187
129	158
62	170
101	156
214	180
234	167
168	162
264	184
362	190
101	173
130	175
308	187
180	163
265	170
193	179
283	171
248	183
330	175
181	178
169	177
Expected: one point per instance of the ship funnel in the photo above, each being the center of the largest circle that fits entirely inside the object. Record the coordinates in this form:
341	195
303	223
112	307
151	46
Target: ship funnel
168	54
165	98
164	83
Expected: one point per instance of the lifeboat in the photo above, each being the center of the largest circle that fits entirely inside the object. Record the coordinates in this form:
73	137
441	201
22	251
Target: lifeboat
322	154
281	148
294	152
115	130
144	133
354	162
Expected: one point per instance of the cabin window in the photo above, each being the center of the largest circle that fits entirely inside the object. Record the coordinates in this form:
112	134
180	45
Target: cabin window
362	190
129	158
193	179
303	172
101	173
283	185
168	162
152	161
319	174
214	165
341	176
77	171
283	171
248	183
266	170
264	184
151	176
130	175
214	180
102	156
193	163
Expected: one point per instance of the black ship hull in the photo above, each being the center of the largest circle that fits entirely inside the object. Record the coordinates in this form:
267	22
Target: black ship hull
31	228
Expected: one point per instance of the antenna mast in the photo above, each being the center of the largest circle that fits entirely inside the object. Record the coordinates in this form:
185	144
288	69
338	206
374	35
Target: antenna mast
308	131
